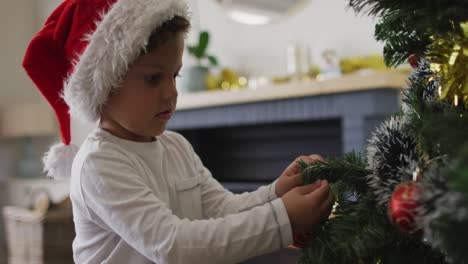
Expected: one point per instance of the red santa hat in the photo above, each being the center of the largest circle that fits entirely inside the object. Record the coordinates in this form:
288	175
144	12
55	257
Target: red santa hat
82	53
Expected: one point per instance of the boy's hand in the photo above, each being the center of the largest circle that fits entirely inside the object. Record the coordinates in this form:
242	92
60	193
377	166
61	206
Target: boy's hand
308	206
291	176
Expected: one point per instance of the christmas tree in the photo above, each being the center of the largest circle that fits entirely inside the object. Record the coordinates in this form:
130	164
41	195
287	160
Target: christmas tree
405	198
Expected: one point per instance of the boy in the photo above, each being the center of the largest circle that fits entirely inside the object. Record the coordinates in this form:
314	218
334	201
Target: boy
140	194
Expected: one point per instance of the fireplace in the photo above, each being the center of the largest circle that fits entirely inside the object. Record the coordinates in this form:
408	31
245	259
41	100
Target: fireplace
244	157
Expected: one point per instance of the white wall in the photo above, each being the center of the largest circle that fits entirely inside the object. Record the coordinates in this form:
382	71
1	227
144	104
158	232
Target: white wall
18	23
322	24
45	8
20	20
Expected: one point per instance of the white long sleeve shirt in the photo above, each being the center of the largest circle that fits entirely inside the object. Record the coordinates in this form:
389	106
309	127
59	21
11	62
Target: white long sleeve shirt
155	202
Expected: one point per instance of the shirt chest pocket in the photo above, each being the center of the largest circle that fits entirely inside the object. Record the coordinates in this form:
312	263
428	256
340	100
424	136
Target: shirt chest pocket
189	196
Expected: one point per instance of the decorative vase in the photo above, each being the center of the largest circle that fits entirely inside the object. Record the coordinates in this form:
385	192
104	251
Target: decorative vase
193	79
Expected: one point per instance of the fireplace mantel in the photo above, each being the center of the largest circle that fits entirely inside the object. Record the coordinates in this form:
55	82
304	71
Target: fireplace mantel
346	84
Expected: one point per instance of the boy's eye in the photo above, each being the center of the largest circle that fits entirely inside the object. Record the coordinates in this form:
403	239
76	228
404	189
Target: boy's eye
152	78
177	75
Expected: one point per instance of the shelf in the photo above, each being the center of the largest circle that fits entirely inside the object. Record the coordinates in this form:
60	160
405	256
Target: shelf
346	84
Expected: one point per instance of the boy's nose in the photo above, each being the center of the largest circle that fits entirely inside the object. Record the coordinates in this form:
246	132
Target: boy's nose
171	91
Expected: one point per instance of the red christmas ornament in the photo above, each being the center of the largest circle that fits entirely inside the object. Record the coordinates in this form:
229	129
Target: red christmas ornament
413	60
403	206
302	240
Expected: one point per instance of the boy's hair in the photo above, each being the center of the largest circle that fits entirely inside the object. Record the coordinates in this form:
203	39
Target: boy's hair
167	30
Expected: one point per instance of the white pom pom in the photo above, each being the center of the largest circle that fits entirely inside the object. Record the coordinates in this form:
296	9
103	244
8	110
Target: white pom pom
58	161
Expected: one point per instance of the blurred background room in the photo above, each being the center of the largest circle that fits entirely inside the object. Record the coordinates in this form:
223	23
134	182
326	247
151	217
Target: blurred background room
263	82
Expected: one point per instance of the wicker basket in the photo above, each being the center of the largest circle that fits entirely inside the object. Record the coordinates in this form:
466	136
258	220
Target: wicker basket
39	238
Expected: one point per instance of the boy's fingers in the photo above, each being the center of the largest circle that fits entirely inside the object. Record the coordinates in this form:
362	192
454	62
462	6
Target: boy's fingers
315	158
321	193
306	189
311	159
294	167
297	179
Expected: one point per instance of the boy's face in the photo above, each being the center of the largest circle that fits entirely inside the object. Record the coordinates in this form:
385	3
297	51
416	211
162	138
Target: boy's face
141	107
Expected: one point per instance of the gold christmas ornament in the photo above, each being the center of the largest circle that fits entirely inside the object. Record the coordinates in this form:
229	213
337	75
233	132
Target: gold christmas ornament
449	55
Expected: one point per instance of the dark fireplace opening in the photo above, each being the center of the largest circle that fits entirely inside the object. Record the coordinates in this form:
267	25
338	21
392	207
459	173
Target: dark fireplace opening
244	157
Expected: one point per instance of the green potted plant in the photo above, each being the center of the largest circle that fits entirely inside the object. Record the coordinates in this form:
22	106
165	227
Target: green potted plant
194	76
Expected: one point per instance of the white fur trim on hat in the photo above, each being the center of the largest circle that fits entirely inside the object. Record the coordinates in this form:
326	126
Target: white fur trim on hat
58	161
118	40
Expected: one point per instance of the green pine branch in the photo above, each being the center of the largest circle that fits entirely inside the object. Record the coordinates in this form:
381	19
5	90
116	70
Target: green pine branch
348	172
409	27
437	9
401	37
360	230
